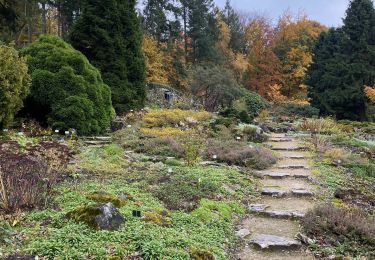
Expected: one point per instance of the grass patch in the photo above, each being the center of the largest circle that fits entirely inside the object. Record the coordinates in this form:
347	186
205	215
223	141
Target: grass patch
106	159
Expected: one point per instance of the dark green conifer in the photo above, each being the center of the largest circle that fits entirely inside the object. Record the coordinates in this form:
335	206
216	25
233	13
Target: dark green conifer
343	62
108	33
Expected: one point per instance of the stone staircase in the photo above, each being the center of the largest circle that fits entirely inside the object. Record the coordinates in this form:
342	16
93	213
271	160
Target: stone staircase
287	194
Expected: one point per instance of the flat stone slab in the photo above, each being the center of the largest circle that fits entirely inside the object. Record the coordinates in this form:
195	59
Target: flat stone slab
286	148
258	207
293	167
274	175
280	140
270	241
302	192
283	214
274	192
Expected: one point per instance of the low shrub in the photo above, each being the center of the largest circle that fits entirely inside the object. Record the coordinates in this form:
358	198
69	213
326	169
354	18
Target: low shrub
164	146
171	117
254	134
348	231
297	110
182	192
237	153
57	155
25	182
321	125
254	104
191	152
165	131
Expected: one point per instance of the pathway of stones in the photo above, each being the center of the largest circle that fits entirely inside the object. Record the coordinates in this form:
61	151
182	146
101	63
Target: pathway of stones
287	195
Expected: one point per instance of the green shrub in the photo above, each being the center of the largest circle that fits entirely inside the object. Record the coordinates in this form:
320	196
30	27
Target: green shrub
14	84
254	104
67	91
297	110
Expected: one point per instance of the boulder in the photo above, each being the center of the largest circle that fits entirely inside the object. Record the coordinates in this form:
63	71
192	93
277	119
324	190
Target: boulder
98	216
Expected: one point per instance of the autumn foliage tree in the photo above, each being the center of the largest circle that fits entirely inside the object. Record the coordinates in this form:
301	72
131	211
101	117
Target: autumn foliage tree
295	38
154	56
263	68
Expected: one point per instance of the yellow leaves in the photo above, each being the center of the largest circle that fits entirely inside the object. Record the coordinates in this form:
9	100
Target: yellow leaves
165	131
275	95
370	93
154	61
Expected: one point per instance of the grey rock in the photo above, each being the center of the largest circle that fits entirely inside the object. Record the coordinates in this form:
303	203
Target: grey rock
271	241
276	175
110	218
117	124
274	192
302	192
282	214
293	167
242	233
305	239
258	207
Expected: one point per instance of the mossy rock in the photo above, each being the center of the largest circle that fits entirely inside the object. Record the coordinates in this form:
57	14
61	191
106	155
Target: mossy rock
158	217
98	216
201	254
104	197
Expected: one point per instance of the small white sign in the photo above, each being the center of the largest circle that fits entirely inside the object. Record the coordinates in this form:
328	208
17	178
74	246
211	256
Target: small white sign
129	126
214	156
66	132
238	138
57	131
170	170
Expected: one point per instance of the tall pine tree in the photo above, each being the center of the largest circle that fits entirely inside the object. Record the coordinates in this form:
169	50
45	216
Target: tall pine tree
343	62
203	30
108	33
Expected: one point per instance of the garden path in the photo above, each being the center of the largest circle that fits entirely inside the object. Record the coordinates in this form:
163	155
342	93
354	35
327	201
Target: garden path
287	194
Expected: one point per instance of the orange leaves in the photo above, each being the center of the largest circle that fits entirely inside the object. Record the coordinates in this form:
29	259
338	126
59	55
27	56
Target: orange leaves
370	93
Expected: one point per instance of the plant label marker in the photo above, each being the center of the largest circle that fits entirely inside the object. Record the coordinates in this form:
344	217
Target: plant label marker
136	213
214	157
66	132
57	131
170	170
238	137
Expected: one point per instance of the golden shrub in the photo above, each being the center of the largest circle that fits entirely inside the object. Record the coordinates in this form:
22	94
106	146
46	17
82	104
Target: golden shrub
165	131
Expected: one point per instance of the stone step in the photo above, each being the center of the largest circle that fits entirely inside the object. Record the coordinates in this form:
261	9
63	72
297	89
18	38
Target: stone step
264	241
280	140
97	143
98	138
293	167
282	208
297	148
282	175
288	184
275	192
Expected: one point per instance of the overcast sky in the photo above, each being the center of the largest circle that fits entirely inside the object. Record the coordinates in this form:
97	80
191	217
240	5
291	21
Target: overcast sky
328	12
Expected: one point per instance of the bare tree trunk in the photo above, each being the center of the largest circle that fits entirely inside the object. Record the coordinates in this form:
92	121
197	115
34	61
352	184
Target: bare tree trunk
44	18
185	31
29	21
